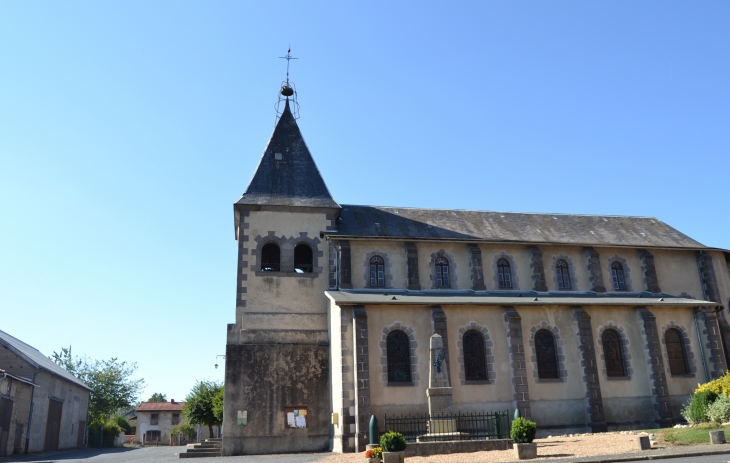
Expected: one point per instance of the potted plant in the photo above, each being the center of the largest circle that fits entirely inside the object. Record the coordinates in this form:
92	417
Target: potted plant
393	445
374	455
522	433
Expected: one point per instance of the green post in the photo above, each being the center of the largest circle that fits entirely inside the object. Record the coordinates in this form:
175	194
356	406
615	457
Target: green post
517	413
374	431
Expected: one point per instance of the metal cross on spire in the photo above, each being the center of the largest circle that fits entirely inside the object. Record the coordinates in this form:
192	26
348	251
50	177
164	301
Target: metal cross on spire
288	58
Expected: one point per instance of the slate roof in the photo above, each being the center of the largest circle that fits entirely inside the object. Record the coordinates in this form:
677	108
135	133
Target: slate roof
292	181
160	406
37	359
505	227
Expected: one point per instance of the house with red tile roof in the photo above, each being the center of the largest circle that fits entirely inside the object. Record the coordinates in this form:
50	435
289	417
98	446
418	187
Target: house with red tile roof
156	419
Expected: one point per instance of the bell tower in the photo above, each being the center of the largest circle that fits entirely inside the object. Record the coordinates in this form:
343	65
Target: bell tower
277	393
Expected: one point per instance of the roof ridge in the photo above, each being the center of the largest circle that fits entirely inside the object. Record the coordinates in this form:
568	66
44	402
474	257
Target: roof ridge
503	212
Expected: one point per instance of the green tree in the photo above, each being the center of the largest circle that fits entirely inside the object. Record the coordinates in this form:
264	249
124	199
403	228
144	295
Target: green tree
199	405
218	405
110	381
157	397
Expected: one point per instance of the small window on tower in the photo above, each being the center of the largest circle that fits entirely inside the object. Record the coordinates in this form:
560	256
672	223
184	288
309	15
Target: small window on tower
279	156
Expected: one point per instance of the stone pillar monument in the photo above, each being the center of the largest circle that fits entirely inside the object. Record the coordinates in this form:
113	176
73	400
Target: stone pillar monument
439	390
441	425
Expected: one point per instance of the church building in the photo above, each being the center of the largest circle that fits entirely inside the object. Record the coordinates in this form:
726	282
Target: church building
582	322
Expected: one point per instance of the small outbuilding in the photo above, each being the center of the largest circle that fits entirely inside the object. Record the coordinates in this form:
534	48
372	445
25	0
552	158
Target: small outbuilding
57	415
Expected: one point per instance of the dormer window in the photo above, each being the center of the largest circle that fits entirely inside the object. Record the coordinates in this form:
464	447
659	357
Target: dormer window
278	156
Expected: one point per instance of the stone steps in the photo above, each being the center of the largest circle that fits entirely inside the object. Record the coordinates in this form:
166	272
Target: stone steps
209	448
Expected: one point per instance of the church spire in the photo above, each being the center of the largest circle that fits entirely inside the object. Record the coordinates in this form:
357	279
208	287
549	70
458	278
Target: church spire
287	175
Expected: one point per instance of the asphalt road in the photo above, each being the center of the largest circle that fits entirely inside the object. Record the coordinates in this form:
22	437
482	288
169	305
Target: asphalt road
151	454
160	454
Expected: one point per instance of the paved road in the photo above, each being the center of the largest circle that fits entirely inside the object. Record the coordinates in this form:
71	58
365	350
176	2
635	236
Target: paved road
169	454
150	455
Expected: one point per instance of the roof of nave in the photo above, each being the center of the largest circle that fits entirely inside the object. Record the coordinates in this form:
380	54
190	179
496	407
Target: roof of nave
160	406
292	181
37	359
505	227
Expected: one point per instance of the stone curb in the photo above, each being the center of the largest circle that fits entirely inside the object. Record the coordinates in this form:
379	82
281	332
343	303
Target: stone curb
641	456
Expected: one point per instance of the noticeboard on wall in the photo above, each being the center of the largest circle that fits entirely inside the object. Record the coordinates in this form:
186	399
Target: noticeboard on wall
296	417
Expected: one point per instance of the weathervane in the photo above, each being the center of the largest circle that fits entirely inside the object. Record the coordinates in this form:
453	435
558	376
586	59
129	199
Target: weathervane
288	90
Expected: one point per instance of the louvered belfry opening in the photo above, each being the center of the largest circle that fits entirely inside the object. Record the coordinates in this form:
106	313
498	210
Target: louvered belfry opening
303	259
270	258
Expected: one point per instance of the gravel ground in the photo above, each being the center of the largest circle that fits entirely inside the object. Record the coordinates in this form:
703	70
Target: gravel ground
556	448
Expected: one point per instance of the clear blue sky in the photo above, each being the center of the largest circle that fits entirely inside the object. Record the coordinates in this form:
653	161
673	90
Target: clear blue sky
128	129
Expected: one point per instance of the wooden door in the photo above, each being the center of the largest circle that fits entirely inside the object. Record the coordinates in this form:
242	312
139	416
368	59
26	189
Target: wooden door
82	432
6	411
53	425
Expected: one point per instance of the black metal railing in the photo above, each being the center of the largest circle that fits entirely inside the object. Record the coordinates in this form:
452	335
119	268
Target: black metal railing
457	426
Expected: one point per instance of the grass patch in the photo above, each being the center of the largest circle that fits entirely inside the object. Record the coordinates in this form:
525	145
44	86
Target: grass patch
699	434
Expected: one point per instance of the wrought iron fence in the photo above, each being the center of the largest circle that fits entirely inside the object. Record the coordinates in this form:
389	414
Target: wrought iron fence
458	426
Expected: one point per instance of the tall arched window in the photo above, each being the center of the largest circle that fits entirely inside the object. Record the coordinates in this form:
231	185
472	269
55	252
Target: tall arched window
270	258
399	357
442	273
547	356
612	353
504	274
377	271
617	272
563	273
675	352
475	361
303	260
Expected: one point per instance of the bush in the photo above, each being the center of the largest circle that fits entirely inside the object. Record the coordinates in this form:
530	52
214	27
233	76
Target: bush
719	386
523	431
393	441
696	410
186	429
122	423
111	431
719	410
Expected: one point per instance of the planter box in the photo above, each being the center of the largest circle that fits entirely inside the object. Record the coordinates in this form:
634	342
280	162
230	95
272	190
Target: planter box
394	457
525	451
373	460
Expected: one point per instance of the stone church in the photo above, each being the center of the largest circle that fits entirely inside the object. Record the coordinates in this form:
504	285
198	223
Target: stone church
579	321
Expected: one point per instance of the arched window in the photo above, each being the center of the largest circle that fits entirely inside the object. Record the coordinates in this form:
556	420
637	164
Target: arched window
612	353
303	261
475	361
675	352
399	357
547	356
563	273
442	273
270	258
377	271
617	272
504	274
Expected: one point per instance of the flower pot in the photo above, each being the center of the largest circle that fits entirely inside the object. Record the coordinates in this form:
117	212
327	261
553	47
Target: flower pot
525	451
373	460
394	457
